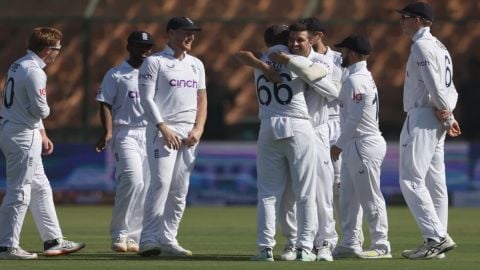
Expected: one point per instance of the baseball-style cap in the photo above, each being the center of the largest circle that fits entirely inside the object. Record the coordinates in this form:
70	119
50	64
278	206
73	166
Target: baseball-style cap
418	9
276	34
358	44
141	37
182	23
314	24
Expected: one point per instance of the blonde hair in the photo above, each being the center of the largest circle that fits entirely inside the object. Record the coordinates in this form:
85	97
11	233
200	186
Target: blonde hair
43	37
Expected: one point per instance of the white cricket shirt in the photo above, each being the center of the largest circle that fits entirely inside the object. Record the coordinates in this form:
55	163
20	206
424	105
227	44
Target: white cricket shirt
317	103
168	87
337	75
284	99
359	105
25	92
429	74
120	89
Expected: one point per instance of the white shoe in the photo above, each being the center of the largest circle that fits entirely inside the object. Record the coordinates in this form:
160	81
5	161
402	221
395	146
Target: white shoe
305	256
119	244
175	250
149	249
375	254
431	249
16	253
266	255
131	245
289	254
341	252
407	252
60	246
324	253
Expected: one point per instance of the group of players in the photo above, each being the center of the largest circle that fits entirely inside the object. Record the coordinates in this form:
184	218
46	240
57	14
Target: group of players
315	104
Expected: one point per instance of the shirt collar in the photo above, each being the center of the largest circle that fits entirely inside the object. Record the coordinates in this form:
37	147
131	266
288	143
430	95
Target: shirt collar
357	67
36	59
169	51
422	32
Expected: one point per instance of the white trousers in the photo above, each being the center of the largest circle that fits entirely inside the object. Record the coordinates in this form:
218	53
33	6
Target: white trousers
334	133
166	196
27	185
362	160
324	192
422	172
277	158
132	175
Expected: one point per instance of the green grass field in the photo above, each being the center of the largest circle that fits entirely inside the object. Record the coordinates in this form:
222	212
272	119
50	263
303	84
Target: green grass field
224	238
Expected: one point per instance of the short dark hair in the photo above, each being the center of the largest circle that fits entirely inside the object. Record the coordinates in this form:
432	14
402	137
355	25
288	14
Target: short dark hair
276	35
43	37
298	26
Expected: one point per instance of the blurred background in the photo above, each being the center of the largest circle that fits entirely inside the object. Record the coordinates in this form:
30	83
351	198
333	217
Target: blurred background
95	33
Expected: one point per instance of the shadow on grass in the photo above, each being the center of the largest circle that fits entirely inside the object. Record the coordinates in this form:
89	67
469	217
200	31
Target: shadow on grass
134	257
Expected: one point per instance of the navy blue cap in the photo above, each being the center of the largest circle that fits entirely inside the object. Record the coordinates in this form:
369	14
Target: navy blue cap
358	44
182	23
276	34
141	37
418	9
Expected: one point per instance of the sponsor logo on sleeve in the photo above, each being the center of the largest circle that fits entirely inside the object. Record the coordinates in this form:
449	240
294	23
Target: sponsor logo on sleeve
42	92
357	97
423	63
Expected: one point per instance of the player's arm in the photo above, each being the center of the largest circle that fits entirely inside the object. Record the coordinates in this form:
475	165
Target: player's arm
47	144
147	80
105	113
311	73
430	74
37	93
253	60
355	103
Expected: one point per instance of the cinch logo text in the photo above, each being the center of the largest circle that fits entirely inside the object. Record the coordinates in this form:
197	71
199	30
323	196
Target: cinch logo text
183	83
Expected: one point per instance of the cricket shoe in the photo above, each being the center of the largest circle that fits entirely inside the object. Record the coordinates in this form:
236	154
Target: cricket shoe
407	252
149	249
175	250
341	252
16	253
266	255
431	249
324	253
374	254
119	244
305	256
60	246
132	245
289	253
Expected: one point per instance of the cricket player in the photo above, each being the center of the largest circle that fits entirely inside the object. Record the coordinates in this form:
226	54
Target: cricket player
363	149
326	236
283	145
429	97
23	140
173	95
124	124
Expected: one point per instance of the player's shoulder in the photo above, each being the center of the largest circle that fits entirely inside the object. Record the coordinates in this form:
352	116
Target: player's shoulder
193	59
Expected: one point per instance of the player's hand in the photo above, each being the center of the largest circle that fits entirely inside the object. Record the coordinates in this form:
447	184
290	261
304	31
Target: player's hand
442	115
193	137
454	130
103	142
279	57
271	74
47	146
335	152
172	140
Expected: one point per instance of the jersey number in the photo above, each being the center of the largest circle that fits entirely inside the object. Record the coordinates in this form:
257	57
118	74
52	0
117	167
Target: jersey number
277	87
448	71
9	85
